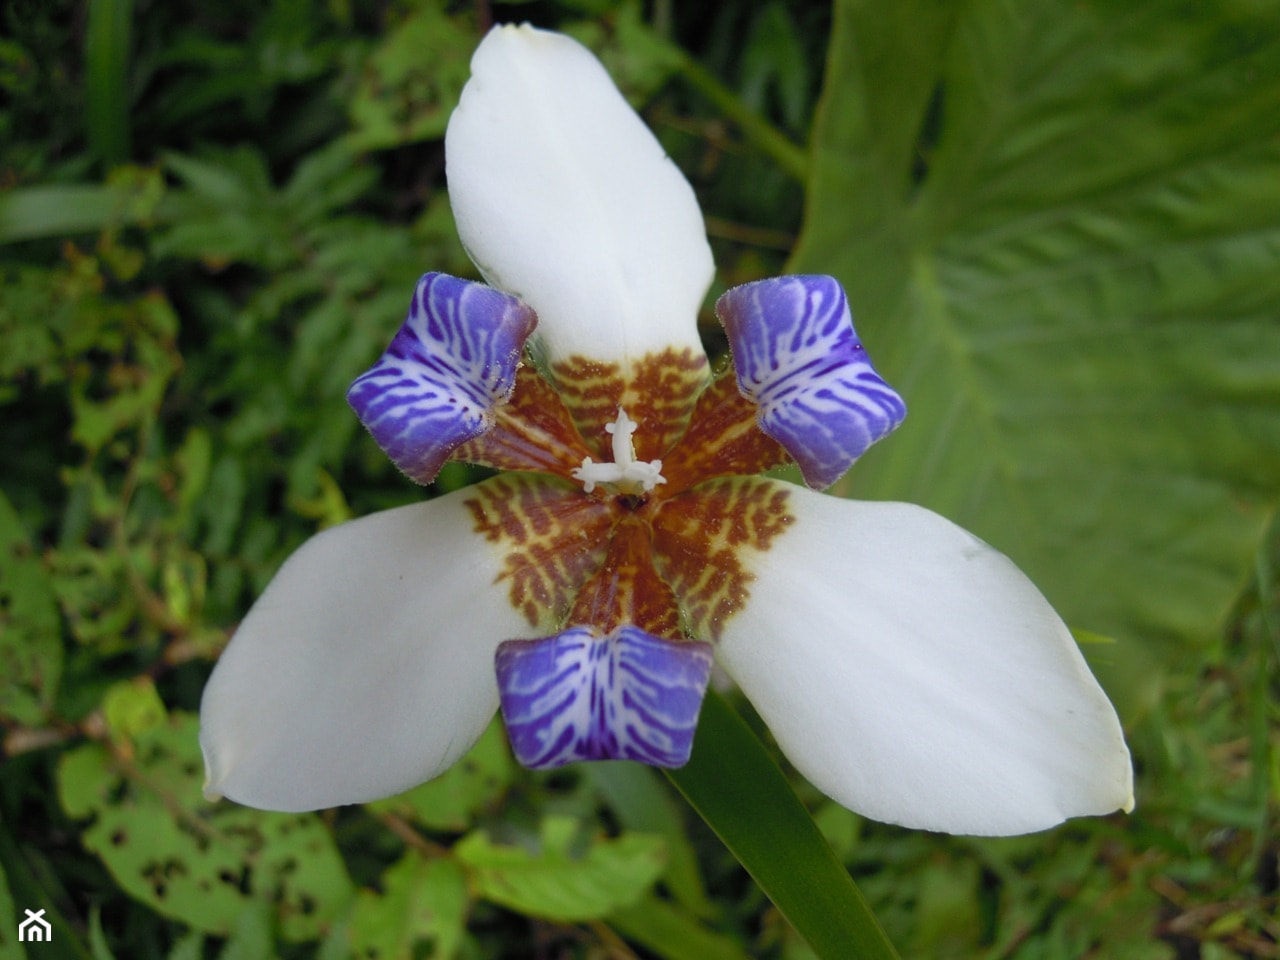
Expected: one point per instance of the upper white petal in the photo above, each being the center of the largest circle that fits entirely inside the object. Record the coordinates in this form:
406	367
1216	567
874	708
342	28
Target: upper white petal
564	198
915	675
365	667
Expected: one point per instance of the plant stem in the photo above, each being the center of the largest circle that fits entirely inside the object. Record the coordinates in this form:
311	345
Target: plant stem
790	156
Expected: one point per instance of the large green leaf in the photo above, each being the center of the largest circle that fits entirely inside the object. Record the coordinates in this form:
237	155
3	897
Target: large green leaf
1058	222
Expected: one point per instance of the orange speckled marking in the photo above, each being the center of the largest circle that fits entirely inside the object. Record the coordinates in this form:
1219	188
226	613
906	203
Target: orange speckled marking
697	537
723	439
531	431
667	562
627	589
658	393
556	538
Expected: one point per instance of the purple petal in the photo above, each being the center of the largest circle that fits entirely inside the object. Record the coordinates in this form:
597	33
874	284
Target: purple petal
451	363
579	696
799	360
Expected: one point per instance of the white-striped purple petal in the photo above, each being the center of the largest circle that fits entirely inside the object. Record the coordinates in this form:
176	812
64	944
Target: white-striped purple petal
797	357
452	362
580	696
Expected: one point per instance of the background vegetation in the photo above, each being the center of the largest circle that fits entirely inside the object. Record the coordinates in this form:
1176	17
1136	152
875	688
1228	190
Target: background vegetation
1058	222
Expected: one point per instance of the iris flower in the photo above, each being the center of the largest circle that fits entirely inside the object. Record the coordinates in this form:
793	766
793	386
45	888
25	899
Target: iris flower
907	669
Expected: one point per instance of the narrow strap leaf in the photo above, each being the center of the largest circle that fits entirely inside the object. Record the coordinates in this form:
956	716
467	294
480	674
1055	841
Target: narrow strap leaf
107	42
738	789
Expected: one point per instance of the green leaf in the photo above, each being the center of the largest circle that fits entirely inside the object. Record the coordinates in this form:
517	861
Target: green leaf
643	803
411	82
326	181
10	949
106	78
98	946
30	637
737	788
639	59
31	349
946	915
132	707
190	947
423	902
251	936
147	331
669	932
1059	228
451	800
336	944
58	210
560	883
774	57
33	885
173	850
234	179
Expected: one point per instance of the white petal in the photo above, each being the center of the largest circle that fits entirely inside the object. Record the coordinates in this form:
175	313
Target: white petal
365	667
564	198
915	675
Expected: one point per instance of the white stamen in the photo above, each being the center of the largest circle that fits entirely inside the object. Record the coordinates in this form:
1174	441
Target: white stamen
622	430
631	475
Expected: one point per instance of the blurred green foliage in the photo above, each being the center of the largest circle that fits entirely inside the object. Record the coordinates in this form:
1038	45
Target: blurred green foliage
1059	225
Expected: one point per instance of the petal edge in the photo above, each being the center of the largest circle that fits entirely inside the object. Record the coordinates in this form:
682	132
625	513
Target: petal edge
365	667
564	198
915	675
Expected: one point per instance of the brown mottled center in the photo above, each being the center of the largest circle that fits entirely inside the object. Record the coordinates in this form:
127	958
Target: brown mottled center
590	540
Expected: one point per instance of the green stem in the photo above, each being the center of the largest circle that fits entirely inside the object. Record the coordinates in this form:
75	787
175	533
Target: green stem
791	157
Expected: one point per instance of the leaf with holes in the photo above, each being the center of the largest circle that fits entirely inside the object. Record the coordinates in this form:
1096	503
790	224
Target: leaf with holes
1059	226
129	391
423	904
191	860
30	640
